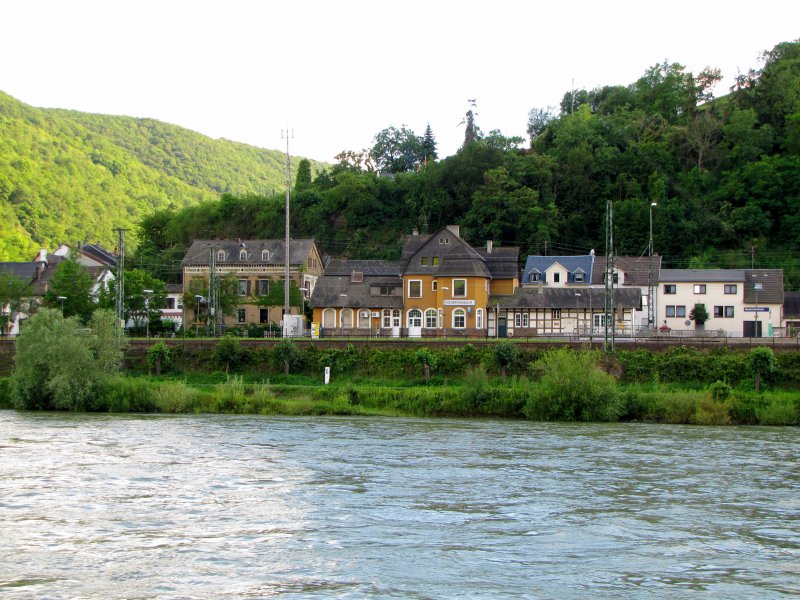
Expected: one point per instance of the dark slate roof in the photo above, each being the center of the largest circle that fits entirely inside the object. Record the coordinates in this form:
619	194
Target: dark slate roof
367	267
100	254
412	243
570	263
27	272
503	263
545	297
338	291
198	251
459	264
791	305
771	281
701	276
456	258
636	269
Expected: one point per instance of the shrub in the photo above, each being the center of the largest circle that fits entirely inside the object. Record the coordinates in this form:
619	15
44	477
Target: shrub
428	361
571	388
780	410
230	354
761	364
230	396
125	394
720	391
158	357
505	354
174	397
287	354
711	412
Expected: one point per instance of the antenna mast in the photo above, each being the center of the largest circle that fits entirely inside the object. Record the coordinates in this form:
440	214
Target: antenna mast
286	308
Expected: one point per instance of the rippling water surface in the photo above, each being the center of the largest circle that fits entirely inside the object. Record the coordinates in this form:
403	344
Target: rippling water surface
257	507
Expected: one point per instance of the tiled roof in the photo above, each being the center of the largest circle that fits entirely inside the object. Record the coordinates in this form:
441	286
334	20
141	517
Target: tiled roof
338	291
791	305
701	276
771	281
100	254
636	269
198	251
367	267
503	263
570	263
594	298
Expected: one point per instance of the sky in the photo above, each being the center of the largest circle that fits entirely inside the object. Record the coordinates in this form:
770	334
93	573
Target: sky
337	72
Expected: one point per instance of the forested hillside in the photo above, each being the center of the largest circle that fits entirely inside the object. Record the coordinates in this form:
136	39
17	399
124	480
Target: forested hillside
724	172
67	176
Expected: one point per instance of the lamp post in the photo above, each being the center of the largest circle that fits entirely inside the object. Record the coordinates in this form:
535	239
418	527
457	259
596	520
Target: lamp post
577	324
198	298
757	286
61	299
147	311
651	311
303	291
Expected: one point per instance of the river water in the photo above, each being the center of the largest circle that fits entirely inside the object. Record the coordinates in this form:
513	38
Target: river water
260	507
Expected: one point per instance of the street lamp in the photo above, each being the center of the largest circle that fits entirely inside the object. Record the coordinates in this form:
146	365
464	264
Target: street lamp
61	299
147	310
758	287
577	323
651	311
199	298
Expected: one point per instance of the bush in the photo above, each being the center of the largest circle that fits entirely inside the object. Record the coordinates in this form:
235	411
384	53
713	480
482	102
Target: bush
780	410
286	354
505	354
761	364
159	357
230	354
571	388
174	397
125	394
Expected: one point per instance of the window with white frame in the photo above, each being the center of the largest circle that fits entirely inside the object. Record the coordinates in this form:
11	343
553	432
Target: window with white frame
263	287
241	315
415	288
220	255
387	318
730	288
555	313
677	311
329	318
517	319
396	317
242	255
347	318
459	288
479	318
728	312
699	288
265	256
599	320
430	318
243	287
459	318
415	318
524	319
670	288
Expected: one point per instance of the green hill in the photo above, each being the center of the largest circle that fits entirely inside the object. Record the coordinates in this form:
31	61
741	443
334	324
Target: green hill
67	176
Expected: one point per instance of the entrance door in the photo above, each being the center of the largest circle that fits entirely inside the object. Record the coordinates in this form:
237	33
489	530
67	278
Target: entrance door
752	328
502	327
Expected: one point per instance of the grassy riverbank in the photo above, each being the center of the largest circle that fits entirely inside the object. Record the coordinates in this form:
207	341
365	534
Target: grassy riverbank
474	396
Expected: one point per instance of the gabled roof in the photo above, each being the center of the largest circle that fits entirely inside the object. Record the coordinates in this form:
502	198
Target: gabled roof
456	257
571	263
636	269
368	267
99	254
594	298
701	276
771	281
503	263
36	273
300	250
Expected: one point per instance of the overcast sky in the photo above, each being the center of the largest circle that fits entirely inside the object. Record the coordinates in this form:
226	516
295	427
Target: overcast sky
338	72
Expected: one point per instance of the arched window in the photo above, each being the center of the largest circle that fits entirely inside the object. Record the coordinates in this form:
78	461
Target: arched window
242	255
364	319
479	319
459	318
415	317
220	255
264	255
329	318
430	318
386	322
347	318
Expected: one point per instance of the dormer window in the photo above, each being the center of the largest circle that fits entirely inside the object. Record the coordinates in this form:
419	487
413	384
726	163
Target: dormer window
444	240
220	255
242	255
423	261
556	277
535	275
357	277
578	277
264	255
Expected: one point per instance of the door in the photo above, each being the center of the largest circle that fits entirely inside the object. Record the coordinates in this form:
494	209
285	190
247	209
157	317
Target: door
752	329
502	327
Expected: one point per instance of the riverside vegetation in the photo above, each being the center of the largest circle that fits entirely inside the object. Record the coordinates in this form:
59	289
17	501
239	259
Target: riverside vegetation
501	380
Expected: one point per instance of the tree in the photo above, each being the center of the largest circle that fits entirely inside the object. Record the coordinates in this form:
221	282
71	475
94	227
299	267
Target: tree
43	378
538	120
398	150
699	315
141	306
303	178
429	144
471	131
504	355
158	356
73	283
428	361
761	363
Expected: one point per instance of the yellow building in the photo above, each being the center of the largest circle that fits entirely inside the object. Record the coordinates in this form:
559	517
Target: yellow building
440	287
259	268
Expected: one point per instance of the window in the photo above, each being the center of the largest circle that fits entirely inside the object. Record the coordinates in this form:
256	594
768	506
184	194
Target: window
415	288
386	290
430	318
263	315
347	318
396	317
169	303
263	287
524	319
728	312
434	285
555	313
387	318
265	256
578	277
670	288
459	318
329	317
556	277
444	240
241	315
599	320
242	255
243	287
718	312
535	275
676	311
518	320
699	288
424	261
357	277
459	288
479	319
730	288
415	318
435	261
364	319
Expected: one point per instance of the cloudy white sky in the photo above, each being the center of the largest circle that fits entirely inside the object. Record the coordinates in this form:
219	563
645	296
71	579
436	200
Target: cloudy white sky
339	71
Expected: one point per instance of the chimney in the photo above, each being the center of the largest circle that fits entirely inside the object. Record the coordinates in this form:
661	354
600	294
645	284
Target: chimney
38	272
42	256
454	229
488	246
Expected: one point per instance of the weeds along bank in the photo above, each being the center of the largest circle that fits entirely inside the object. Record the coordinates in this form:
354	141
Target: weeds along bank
680	385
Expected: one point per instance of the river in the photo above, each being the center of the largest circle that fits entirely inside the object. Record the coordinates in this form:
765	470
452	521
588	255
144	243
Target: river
259	507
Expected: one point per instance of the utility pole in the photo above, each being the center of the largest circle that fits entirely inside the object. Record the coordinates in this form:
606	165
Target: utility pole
120	275
651	316
610	313
213	289
286	307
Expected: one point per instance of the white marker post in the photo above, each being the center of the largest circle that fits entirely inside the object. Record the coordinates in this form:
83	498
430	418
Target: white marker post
327	375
